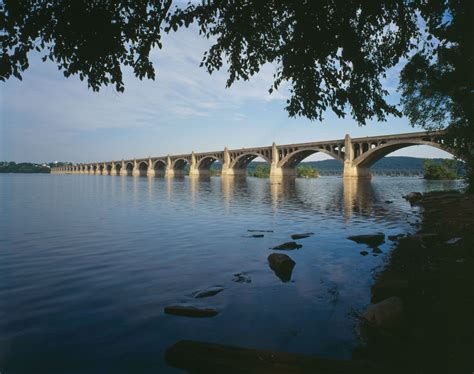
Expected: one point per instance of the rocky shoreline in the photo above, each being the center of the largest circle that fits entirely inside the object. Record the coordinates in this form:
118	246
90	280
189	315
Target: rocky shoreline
422	317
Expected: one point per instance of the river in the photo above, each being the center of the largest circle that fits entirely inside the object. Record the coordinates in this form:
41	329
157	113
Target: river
87	264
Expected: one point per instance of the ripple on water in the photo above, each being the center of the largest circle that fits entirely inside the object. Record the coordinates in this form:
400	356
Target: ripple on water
88	263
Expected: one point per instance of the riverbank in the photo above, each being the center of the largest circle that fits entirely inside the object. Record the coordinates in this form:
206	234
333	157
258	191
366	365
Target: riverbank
432	274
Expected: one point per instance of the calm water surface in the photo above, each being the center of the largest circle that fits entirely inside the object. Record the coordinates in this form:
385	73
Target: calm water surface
87	264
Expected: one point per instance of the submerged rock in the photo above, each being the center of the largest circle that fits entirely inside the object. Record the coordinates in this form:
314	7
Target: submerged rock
282	265
208	293
190	311
289	246
373	240
390	284
203	357
377	250
241	278
395	237
301	236
453	240
386	314
364	253
413	197
425	238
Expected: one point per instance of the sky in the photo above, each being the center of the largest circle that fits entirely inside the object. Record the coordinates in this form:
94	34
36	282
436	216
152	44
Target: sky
47	117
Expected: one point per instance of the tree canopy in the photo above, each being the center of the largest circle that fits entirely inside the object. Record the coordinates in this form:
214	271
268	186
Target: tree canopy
333	53
437	83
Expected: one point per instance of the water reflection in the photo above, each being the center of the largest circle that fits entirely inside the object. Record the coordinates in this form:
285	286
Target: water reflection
105	255
358	197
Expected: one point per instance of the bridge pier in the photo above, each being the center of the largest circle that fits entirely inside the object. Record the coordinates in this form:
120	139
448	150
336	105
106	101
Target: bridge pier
193	168
232	172
150	171
113	171
169	172
135	170
196	172
278	172
351	171
123	168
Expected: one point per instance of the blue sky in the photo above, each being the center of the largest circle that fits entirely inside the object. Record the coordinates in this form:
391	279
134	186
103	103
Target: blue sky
47	117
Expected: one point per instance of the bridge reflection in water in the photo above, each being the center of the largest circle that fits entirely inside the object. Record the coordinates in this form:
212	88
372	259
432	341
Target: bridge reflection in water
292	194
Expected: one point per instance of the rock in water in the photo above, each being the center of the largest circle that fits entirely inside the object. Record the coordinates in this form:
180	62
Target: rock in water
387	314
190	311
241	278
208	293
364	253
289	246
395	237
282	265
301	236
414	197
373	240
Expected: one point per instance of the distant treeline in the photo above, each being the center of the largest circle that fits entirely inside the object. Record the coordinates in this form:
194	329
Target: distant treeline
28	167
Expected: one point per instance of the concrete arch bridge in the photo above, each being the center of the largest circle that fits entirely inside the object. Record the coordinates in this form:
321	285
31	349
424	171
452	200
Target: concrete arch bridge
356	154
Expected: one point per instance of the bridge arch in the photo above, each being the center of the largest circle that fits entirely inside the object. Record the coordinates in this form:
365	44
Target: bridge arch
206	162
243	160
179	163
108	169
159	166
292	159
129	168
374	154
118	168
142	168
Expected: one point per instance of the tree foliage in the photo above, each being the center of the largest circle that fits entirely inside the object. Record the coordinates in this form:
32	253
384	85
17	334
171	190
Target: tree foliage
93	39
447	169
261	171
307	171
333	53
23	167
437	84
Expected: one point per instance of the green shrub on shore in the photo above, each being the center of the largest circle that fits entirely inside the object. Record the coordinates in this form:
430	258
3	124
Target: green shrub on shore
447	169
261	171
304	171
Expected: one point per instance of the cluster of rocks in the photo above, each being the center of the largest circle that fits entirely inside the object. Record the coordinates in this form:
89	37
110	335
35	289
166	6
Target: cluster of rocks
372	240
281	264
194	311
